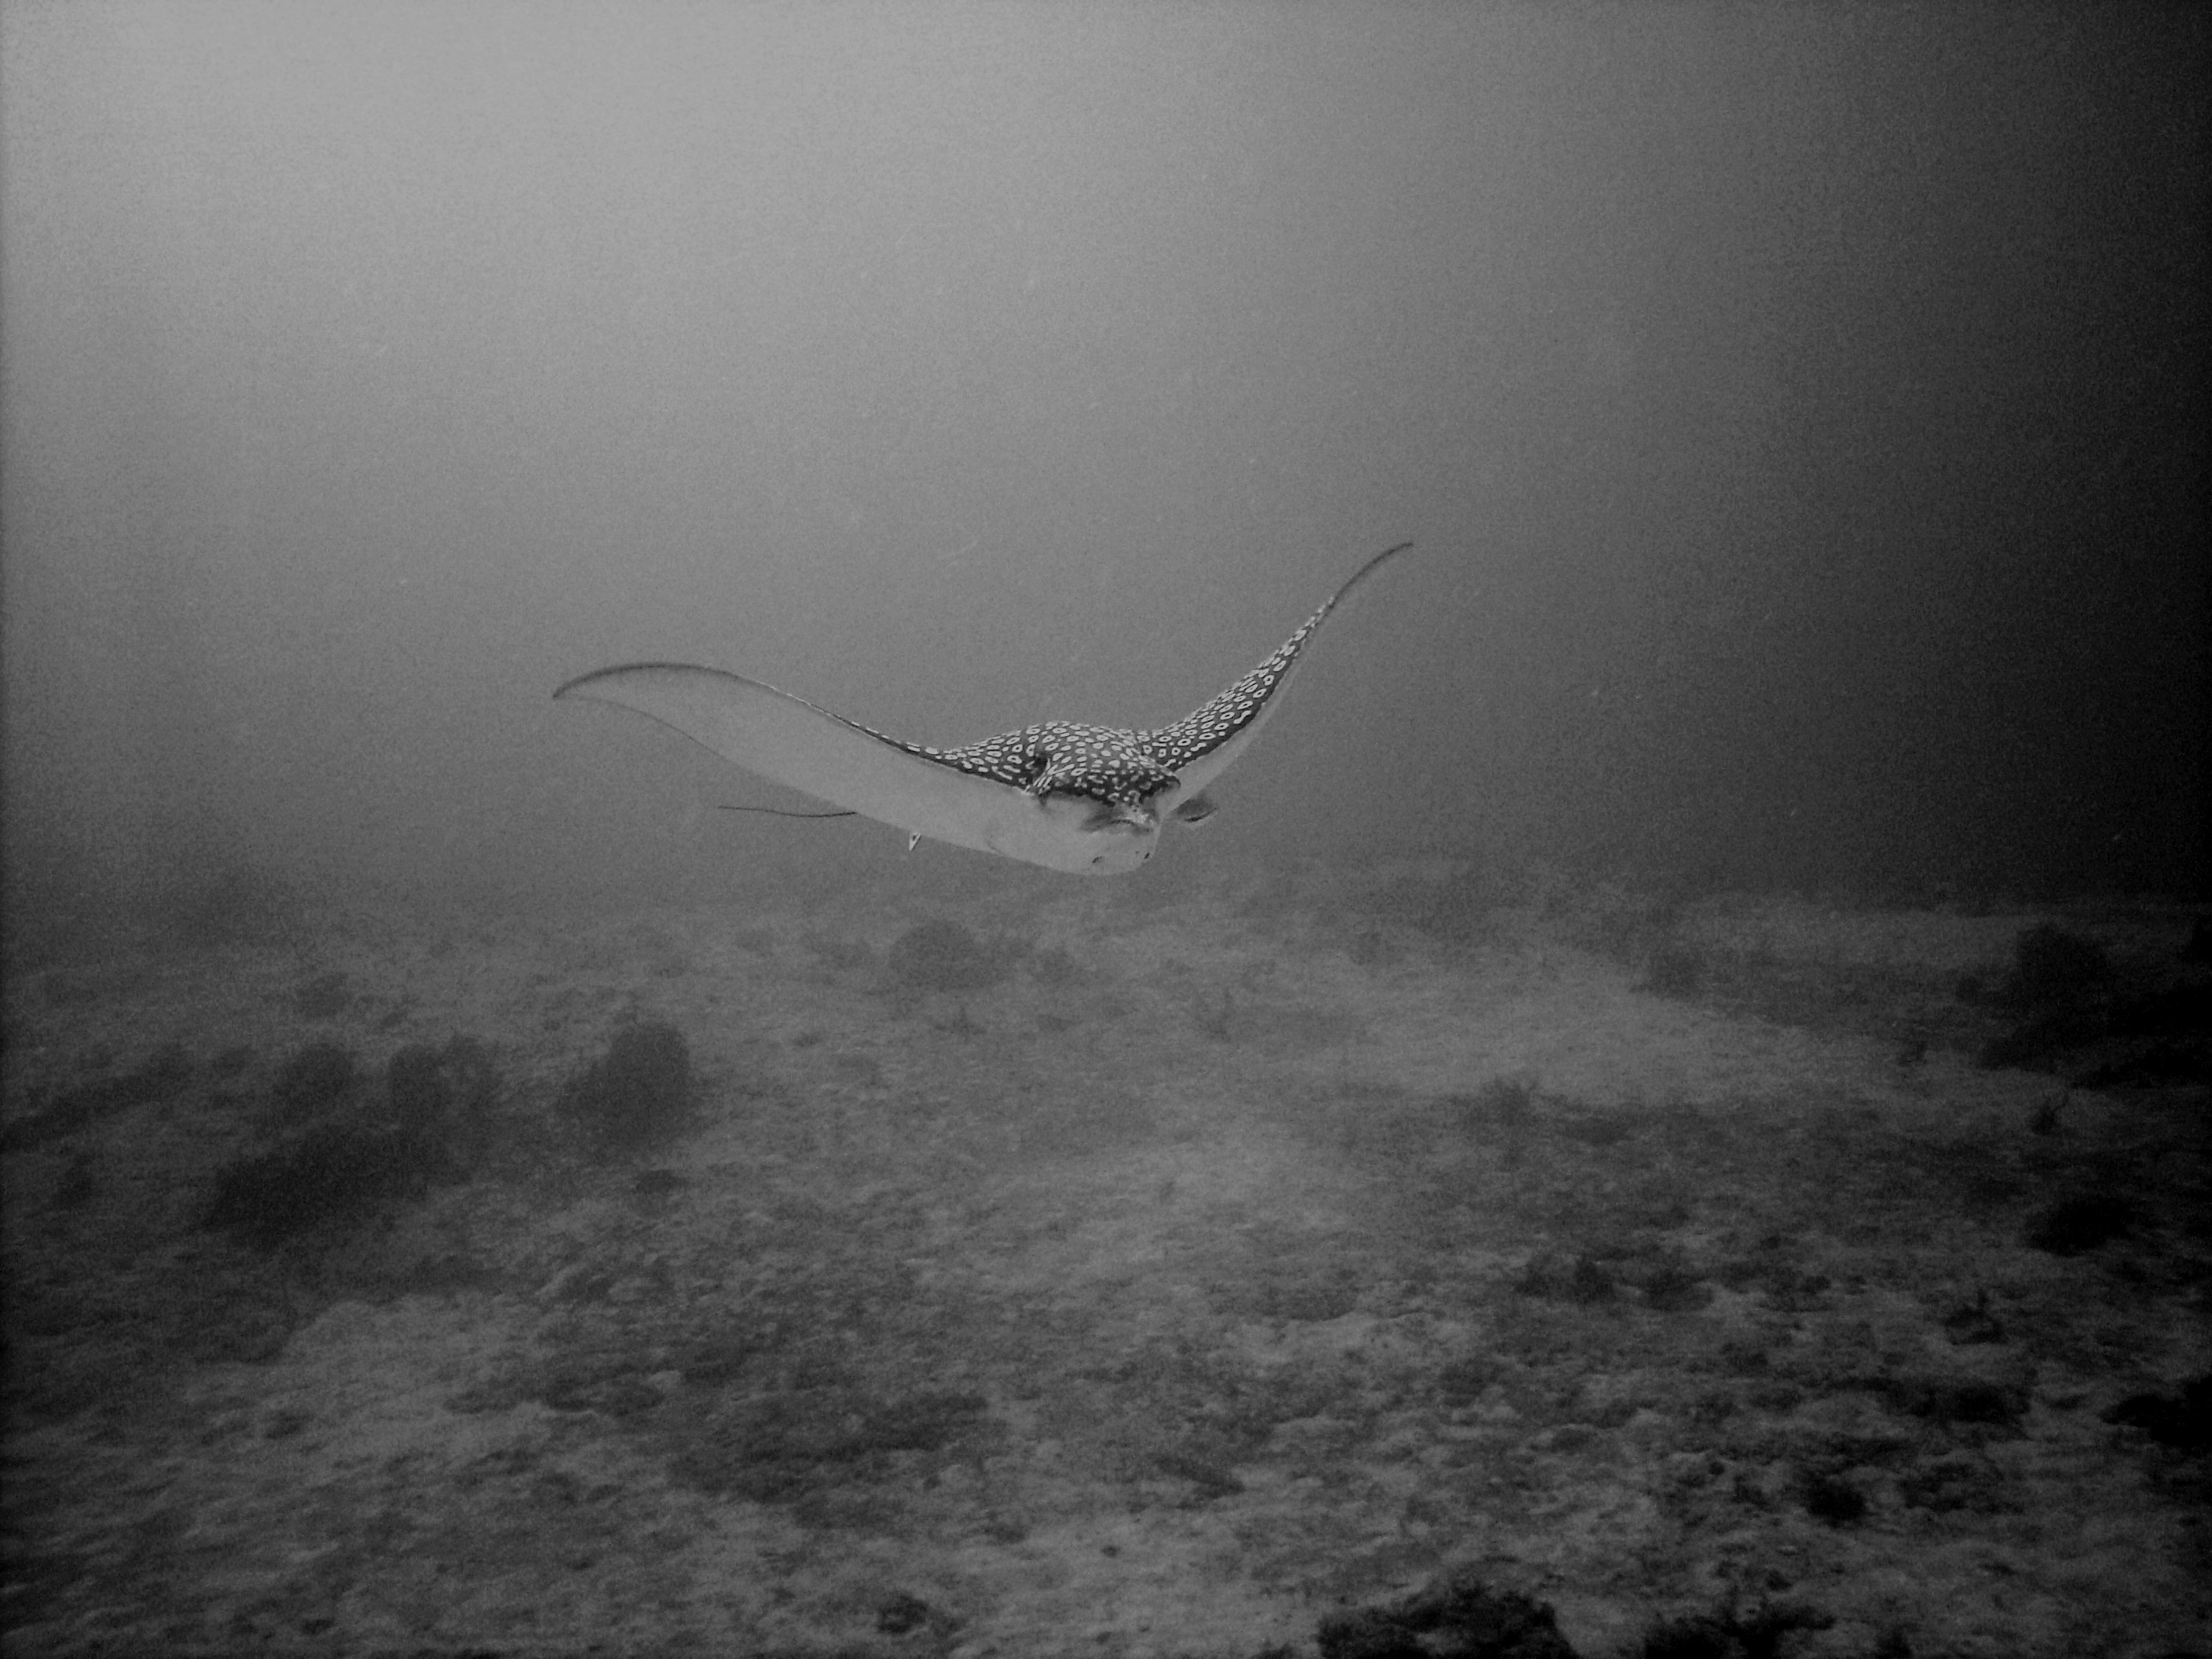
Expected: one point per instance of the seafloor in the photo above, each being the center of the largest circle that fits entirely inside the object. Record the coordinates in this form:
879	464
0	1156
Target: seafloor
1110	1273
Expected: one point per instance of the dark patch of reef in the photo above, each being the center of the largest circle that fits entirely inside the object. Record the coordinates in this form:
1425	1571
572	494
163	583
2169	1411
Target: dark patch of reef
941	955
342	1158
160	1076
641	1093
1457	1616
2074	1011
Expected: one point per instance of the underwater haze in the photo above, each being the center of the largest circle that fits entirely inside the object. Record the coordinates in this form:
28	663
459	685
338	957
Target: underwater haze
1797	412
1657	1110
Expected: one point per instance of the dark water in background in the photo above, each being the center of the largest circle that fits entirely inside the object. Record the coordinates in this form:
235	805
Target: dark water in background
1797	414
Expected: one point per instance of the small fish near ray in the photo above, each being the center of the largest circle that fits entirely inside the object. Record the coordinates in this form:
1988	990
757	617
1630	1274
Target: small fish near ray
1086	799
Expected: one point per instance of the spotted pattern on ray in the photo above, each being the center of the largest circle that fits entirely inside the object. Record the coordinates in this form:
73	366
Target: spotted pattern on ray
1124	768
1212	724
1057	758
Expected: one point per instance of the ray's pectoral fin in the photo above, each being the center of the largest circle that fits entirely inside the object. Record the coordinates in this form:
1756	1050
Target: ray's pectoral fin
791	741
1205	743
922	791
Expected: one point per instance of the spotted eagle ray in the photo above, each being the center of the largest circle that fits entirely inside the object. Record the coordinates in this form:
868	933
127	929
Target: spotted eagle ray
1086	799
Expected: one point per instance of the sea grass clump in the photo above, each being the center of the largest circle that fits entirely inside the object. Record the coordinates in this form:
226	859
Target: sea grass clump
335	1175
160	1076
1676	969
2052	967
1731	1634
2076	1225
640	1093
2101	1024
447	1090
941	955
313	1081
1453	906
1455	1615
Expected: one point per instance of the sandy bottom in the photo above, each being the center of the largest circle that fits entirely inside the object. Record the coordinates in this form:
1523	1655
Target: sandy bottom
1219	1268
